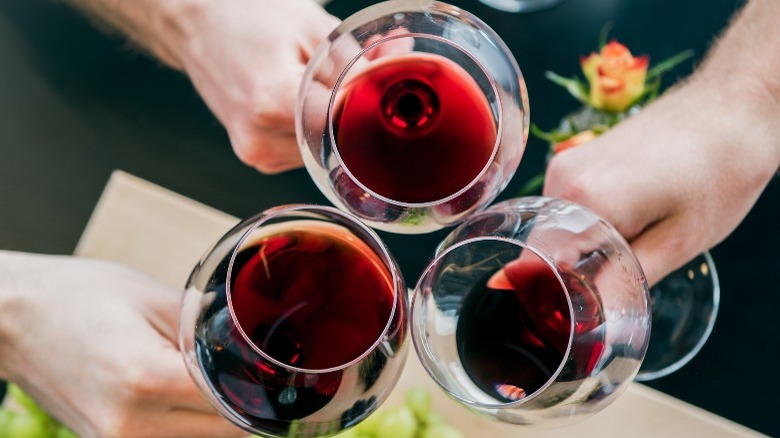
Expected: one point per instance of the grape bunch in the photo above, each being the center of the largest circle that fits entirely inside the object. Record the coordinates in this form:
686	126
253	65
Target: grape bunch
414	419
29	421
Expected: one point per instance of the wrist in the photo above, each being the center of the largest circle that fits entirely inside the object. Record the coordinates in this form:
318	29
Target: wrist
175	26
158	27
742	73
741	110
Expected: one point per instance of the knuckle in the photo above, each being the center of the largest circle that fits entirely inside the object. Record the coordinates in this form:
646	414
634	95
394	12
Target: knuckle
270	110
256	154
271	117
137	388
570	185
265	156
117	425
140	386
569	179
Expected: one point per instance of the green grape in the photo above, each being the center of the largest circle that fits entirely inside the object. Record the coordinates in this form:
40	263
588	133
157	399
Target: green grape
27	426
349	433
434	419
64	432
23	399
399	422
29	405
419	401
441	431
6	417
370	425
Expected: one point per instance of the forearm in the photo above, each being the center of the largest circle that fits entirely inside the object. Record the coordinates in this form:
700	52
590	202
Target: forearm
157	26
741	72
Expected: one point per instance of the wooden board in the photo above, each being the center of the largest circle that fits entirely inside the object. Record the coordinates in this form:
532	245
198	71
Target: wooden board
159	232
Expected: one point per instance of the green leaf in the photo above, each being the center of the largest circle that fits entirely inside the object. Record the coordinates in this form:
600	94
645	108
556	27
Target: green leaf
554	136
604	34
600	129
574	86
652	89
668	64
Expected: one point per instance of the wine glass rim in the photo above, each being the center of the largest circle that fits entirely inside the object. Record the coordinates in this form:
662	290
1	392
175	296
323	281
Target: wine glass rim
302	209
462	190
421	345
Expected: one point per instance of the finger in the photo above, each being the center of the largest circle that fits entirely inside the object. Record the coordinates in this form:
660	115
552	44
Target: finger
185	423
268	151
174	384
349	52
398	41
582	175
663	248
164	316
314	120
273	105
282	155
161	302
317	31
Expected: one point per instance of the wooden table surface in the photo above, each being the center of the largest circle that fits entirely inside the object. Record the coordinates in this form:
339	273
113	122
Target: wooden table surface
163	234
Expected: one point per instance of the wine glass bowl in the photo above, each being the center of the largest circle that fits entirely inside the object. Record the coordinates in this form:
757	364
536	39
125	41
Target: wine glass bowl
412	115
293	324
533	311
685	305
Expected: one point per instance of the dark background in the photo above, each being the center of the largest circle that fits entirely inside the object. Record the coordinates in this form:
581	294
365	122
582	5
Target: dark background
76	104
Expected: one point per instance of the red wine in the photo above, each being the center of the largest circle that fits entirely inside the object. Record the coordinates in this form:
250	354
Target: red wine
514	329
309	295
311	298
414	128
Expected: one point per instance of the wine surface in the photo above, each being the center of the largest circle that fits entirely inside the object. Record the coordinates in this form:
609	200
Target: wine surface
515	329
414	128
313	297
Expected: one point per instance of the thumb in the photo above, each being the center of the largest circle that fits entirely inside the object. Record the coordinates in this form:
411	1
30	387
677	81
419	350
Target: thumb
662	248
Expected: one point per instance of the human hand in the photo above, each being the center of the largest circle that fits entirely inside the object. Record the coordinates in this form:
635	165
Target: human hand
677	178
95	345
246	59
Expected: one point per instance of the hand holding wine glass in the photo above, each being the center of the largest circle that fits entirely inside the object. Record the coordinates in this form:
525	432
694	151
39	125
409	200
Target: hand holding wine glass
95	345
672	187
244	57
679	176
533	311
412	115
294	323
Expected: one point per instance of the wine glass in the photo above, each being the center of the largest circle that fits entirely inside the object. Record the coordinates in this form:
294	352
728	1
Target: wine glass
521	5
534	311
293	324
684	305
412	115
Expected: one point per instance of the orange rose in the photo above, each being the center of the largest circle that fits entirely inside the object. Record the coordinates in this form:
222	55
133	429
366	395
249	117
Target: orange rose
617	78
